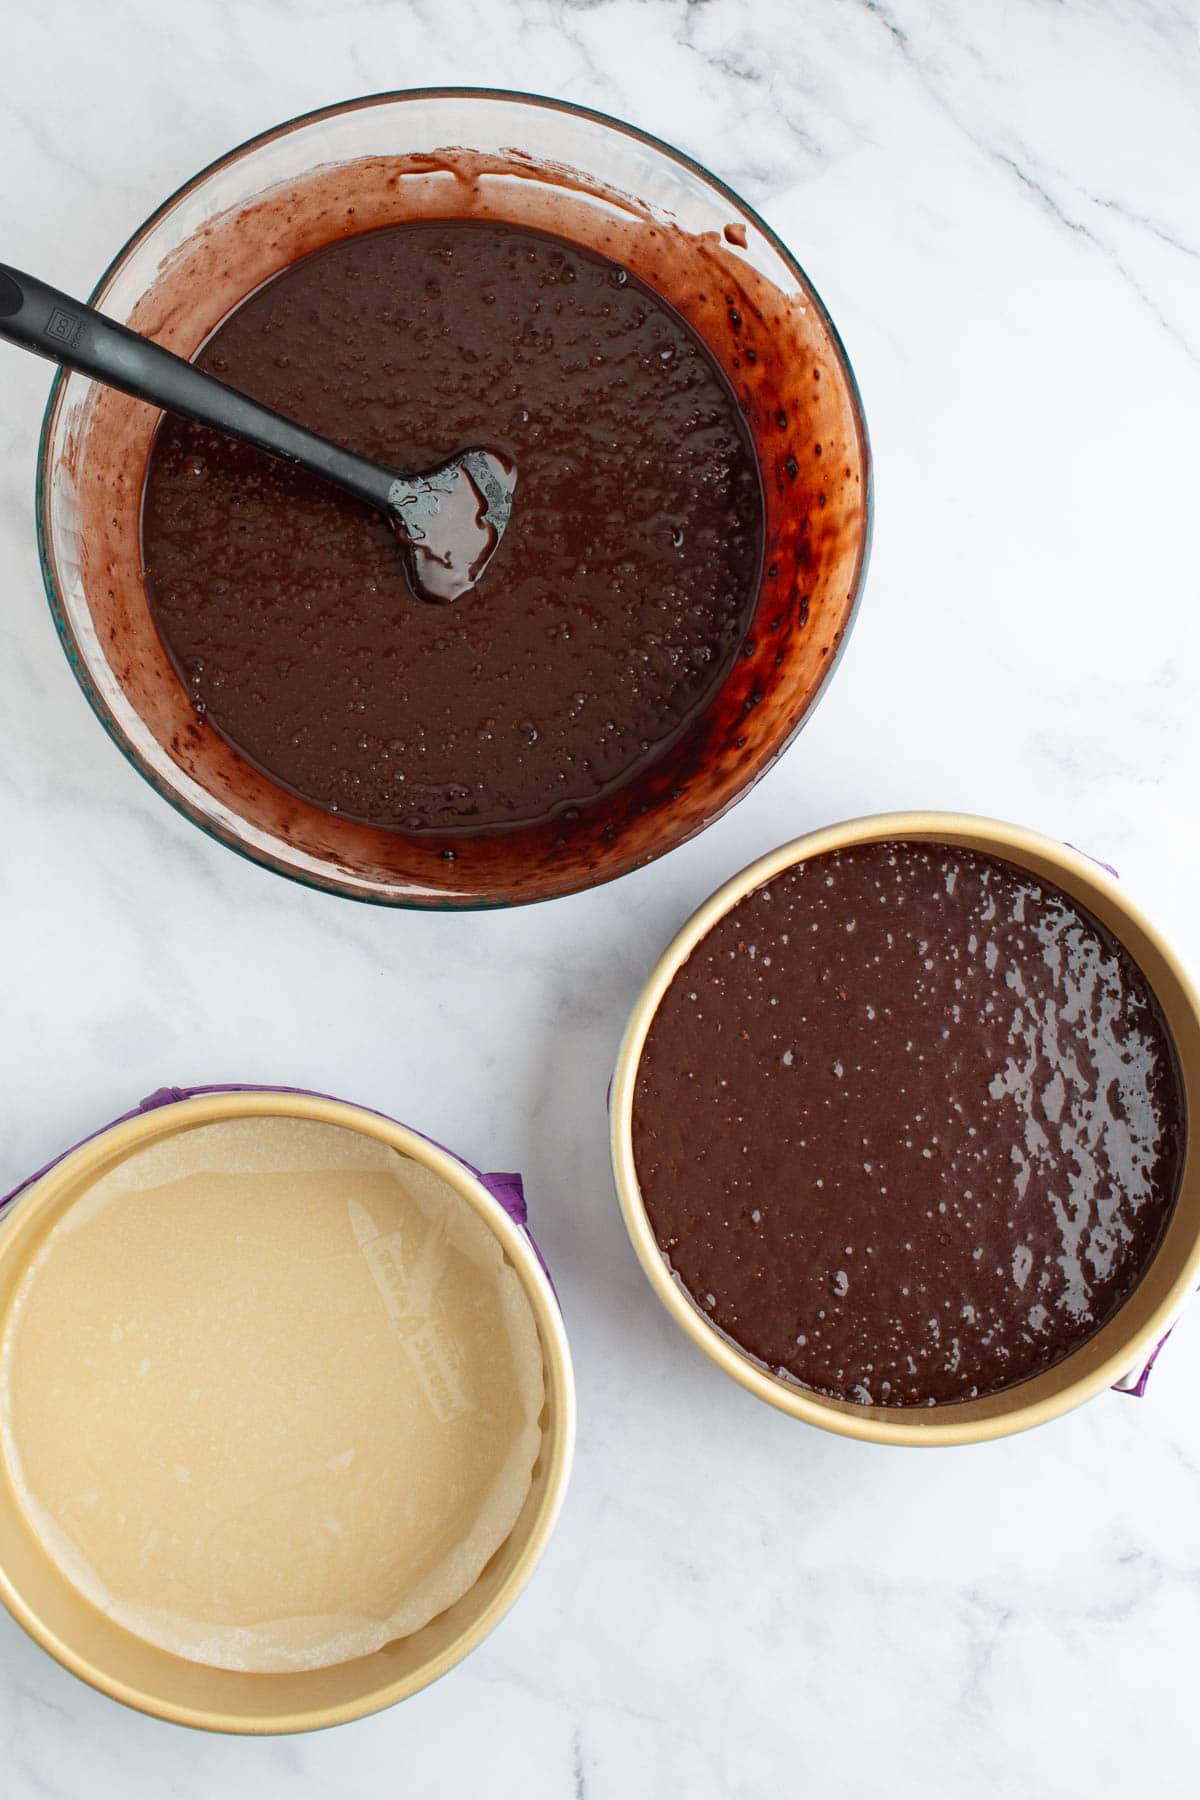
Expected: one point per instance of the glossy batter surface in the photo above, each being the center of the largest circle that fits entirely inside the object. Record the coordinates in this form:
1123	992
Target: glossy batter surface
613	607
908	1124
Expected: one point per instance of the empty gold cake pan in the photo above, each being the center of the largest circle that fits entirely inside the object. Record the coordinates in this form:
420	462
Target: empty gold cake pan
89	1644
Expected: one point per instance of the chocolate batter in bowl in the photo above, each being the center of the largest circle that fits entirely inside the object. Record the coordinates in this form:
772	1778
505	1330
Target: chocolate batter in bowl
900	1130
687	545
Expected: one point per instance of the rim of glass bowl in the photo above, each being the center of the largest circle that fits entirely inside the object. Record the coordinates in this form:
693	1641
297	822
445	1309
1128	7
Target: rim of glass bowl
231	840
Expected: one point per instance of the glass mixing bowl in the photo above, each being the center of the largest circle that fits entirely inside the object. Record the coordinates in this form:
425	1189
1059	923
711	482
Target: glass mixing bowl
485	154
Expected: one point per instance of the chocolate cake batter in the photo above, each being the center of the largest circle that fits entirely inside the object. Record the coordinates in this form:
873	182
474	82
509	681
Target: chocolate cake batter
613	608
908	1125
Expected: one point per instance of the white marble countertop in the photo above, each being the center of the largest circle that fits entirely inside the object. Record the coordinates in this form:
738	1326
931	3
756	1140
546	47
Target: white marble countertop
1000	203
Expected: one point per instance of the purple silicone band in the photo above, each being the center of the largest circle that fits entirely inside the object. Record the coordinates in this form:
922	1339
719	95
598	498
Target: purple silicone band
1137	1389
507	1189
1099	861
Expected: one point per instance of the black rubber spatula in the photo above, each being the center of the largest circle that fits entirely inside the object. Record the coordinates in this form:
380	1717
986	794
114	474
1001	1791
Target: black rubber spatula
448	520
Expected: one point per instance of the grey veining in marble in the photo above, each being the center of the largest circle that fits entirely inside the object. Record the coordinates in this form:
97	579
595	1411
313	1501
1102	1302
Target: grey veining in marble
1000	202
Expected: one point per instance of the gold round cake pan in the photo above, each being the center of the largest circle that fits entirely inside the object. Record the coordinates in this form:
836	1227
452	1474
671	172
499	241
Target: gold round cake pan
1120	1351
155	1681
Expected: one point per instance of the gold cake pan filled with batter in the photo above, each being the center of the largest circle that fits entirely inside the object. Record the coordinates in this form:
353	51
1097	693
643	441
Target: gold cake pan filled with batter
1115	1355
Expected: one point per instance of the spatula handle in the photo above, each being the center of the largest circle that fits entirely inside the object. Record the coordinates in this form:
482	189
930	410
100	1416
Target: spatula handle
51	324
